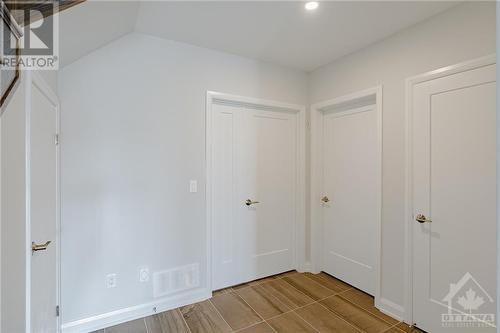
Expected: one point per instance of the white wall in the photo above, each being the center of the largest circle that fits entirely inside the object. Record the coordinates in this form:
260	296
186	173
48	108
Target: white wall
133	135
465	32
50	77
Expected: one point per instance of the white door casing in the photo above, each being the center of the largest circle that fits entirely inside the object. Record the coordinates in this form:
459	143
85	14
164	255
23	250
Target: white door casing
42	205
346	167
451	179
255	150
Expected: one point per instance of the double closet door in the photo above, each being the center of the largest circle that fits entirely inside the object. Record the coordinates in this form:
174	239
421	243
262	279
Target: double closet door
253	193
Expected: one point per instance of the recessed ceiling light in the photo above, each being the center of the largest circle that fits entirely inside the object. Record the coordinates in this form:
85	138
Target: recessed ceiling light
311	5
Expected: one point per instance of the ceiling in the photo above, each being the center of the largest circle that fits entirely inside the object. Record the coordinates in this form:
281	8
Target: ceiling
281	32
93	24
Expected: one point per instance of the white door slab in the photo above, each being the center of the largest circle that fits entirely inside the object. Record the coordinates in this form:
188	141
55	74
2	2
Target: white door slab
453	181
266	175
43	212
350	182
225	232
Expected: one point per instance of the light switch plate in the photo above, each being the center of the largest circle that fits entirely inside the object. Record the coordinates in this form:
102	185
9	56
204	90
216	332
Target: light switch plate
193	186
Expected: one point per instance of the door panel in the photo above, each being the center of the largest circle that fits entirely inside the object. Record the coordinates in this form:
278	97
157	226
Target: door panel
254	158
454	185
350	171
267	174
226	250
43	212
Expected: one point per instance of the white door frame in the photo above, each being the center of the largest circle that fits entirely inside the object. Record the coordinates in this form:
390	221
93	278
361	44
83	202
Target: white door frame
372	96
249	102
33	79
410	83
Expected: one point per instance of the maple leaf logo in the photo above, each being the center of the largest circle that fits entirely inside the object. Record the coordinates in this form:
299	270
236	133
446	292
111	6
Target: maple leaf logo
470	301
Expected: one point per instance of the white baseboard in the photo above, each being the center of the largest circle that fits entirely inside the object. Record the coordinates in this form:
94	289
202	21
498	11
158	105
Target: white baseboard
305	267
134	312
391	309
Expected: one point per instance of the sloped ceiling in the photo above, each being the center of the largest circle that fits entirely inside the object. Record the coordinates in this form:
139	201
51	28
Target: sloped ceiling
281	32
93	24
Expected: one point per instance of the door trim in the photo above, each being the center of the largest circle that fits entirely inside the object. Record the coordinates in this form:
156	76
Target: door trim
410	83
33	79
354	102
300	198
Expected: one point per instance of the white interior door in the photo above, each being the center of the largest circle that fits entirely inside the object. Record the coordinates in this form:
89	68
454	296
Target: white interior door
43	210
453	181
255	154
350	193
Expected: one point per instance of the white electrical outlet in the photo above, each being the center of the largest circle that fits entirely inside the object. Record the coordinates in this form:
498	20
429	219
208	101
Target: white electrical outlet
144	274
111	280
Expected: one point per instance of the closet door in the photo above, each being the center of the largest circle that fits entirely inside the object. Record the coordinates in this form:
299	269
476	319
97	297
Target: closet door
350	195
254	180
454	201
44	208
266	192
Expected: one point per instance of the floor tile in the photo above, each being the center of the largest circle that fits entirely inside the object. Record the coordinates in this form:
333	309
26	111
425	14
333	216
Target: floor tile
265	304
286	294
324	320
281	275
134	326
166	322
355	315
286	301
366	302
264	280
406	328
259	328
359	298
241	286
222	291
235	311
256	282
290	323
393	330
203	318
308	286
329	282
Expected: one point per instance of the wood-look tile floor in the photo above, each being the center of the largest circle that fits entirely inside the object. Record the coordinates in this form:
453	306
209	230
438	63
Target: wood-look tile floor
289	302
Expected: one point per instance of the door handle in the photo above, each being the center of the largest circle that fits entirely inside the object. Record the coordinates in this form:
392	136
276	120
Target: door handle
325	199
421	218
39	247
249	202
